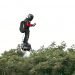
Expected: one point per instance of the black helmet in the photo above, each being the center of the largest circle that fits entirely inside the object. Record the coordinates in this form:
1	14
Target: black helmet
30	17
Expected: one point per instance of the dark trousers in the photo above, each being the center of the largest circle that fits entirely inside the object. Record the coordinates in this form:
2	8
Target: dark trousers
26	37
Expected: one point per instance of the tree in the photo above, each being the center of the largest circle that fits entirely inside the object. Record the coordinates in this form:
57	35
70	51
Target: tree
53	60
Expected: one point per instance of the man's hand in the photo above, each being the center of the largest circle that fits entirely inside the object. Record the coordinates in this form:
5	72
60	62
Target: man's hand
34	24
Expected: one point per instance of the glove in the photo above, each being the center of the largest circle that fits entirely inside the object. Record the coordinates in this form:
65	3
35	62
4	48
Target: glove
34	24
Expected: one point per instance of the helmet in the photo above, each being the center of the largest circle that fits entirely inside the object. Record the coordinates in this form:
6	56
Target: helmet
30	17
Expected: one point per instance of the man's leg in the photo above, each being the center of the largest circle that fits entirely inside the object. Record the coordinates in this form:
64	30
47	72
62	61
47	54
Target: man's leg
26	37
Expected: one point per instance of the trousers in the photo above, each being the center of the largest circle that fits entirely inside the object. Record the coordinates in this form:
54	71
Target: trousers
26	36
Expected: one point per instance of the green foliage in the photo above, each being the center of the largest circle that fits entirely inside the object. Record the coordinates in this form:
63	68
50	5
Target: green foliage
53	60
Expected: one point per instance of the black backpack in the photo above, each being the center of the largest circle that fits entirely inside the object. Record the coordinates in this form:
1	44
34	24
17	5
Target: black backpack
22	27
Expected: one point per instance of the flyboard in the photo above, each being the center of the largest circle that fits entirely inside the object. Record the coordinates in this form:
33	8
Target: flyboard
25	47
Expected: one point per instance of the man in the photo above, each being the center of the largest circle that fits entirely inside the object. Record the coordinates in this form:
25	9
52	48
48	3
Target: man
24	27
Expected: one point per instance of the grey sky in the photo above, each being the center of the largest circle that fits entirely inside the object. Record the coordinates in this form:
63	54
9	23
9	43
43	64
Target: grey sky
55	21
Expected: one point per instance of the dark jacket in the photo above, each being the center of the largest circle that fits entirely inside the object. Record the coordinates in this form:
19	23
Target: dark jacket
24	25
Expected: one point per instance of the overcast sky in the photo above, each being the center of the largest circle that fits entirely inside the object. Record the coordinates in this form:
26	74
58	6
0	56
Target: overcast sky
55	21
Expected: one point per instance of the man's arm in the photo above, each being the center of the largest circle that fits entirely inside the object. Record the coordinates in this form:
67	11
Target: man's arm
30	25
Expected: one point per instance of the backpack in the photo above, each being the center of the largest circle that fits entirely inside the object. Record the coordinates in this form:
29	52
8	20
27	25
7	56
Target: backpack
22	27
